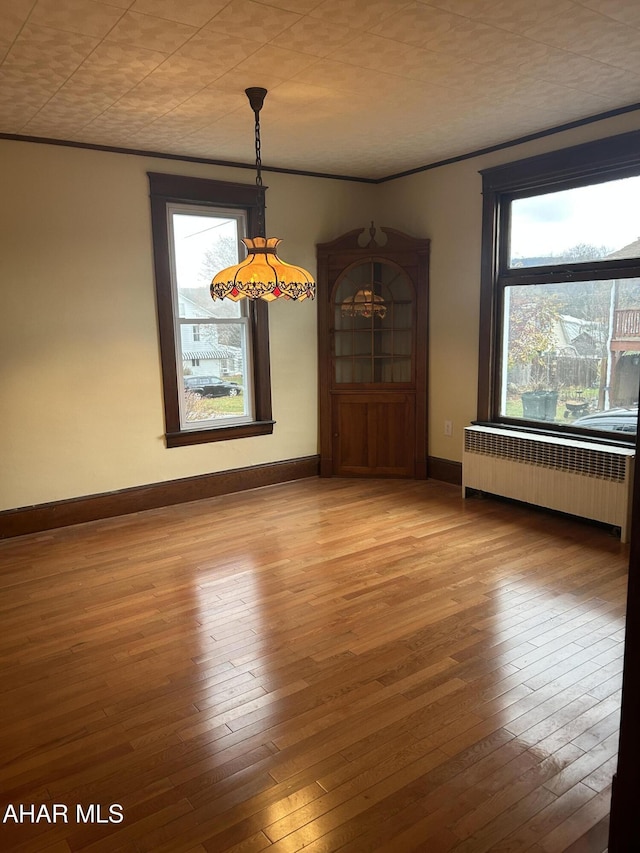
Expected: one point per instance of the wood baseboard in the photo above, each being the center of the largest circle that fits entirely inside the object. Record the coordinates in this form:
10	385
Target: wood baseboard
34	519
445	470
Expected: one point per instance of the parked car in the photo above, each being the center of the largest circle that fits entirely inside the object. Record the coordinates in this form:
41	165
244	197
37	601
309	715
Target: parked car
211	386
614	420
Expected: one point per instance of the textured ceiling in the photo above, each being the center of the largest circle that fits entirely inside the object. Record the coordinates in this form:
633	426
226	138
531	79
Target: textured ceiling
365	88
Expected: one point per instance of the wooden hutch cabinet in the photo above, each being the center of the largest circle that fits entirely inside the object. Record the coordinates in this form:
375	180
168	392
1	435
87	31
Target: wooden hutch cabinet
372	353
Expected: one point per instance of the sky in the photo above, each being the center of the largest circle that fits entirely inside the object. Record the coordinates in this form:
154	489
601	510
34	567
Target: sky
600	214
605	214
193	235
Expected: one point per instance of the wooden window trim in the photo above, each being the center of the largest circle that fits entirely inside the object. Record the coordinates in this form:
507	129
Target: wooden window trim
165	189
580	165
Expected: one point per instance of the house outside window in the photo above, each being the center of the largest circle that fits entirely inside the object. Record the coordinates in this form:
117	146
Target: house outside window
560	313
215	354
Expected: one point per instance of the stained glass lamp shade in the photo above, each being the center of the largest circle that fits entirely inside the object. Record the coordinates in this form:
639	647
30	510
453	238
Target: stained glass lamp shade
262	275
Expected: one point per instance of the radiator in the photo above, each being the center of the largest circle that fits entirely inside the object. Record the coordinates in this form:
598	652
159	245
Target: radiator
577	477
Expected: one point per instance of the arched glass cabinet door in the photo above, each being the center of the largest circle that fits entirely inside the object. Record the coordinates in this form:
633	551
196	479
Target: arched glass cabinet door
373	309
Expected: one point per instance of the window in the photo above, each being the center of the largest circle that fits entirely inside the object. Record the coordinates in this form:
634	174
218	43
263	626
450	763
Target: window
215	355
215	335
560	310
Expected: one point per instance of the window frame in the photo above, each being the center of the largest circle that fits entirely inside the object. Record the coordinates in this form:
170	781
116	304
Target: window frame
184	321
166	189
568	168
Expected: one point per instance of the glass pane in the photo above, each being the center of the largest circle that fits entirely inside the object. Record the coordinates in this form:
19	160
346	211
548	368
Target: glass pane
374	299
362	343
343	343
203	244
388	319
385	370
402	343
359	298
402	370
393	369
215	374
382	343
577	225
355	279
342	320
344	370
390	343
402	315
571	354
397	284
362	370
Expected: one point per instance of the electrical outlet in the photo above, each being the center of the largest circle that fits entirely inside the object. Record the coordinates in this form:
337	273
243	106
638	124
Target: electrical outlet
448	427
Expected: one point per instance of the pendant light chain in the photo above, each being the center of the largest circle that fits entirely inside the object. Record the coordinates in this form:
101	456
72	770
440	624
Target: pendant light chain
262	275
261	205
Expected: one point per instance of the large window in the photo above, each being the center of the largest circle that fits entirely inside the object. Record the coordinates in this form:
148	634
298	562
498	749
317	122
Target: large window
560	315
215	355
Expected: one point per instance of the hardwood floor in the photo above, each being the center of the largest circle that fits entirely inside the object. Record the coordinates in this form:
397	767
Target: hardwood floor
321	665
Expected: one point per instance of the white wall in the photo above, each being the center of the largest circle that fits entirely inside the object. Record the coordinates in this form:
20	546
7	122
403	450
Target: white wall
80	380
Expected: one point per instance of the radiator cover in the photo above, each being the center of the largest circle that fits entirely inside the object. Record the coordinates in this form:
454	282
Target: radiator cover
568	475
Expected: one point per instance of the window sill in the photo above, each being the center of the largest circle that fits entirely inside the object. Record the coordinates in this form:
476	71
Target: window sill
564	432
205	436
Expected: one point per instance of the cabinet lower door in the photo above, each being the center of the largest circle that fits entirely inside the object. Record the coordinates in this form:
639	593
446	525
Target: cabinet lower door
374	434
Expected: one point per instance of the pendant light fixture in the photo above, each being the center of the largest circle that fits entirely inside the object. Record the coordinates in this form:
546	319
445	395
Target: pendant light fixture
262	275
